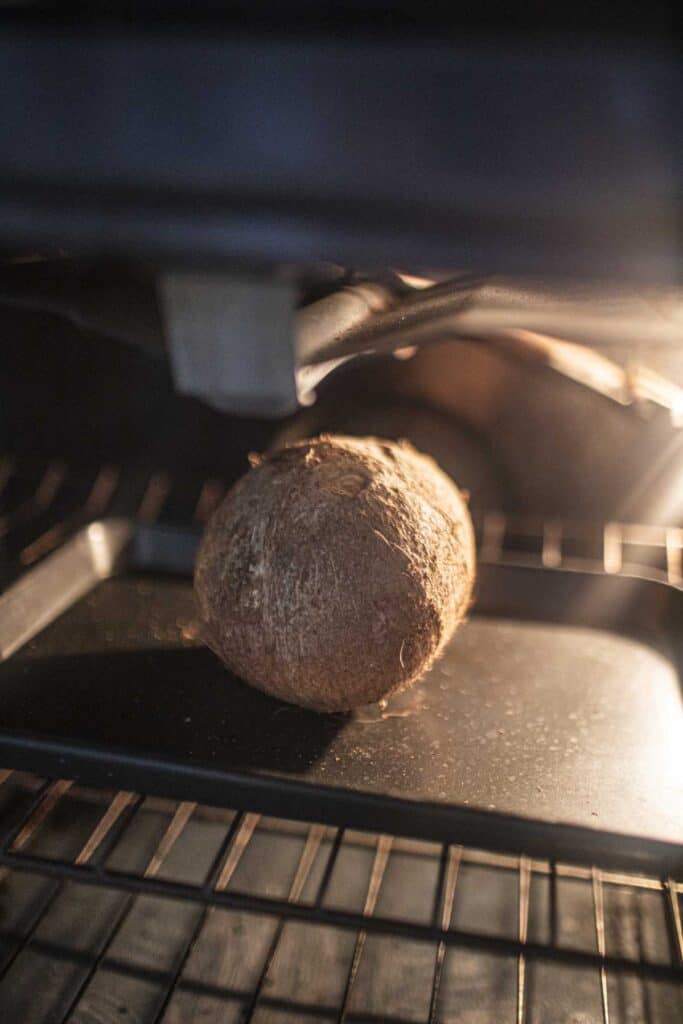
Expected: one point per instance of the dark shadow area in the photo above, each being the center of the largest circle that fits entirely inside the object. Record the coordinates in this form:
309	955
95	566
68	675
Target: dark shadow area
68	386
178	703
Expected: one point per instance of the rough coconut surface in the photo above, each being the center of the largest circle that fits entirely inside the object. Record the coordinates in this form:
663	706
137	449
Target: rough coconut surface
334	572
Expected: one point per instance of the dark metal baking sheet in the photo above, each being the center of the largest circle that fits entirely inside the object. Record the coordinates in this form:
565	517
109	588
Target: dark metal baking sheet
552	725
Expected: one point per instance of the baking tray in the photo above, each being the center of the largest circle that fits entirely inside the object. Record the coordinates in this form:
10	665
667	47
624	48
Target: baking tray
551	726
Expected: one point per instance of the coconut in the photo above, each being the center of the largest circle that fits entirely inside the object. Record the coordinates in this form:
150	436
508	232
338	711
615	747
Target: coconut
335	571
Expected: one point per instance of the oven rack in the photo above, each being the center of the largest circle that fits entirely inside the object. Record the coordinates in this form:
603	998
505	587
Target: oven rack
43	503
616	937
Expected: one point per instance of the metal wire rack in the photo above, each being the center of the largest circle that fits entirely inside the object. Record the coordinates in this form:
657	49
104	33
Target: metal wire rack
41	505
118	906
178	912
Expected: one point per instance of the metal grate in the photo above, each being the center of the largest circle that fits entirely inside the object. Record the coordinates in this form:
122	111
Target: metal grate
653	552
40	506
126	907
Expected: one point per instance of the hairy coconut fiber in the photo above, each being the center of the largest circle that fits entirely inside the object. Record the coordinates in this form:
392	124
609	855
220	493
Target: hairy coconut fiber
335	571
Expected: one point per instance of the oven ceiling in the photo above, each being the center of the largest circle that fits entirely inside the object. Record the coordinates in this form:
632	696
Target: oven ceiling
544	155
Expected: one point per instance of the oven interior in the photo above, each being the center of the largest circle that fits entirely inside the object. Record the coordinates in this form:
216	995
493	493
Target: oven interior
505	841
